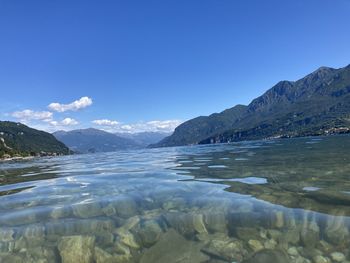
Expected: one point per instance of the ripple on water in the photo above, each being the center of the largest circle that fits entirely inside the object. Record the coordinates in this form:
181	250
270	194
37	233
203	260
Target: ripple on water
241	159
246	180
186	161
144	206
203	159
217	166
250	180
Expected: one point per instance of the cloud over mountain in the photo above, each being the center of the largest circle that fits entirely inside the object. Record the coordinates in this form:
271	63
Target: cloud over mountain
105	122
27	115
62	117
149	126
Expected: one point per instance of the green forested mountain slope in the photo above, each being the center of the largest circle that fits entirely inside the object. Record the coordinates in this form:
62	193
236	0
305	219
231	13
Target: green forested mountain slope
19	139
316	104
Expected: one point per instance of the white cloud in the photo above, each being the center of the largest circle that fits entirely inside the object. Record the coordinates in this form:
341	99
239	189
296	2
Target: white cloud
83	102
168	125
105	122
27	115
54	123
150	126
126	127
31	117
69	122
64	122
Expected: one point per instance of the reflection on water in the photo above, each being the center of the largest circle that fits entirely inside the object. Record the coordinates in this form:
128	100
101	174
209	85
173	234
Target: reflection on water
265	201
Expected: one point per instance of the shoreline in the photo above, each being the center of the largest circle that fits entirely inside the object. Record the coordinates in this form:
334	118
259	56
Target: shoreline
16	159
20	158
218	140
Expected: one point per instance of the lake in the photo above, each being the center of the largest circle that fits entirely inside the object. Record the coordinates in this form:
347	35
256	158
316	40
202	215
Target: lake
284	200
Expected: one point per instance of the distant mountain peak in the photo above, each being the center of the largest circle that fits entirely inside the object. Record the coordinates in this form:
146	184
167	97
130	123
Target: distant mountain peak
321	72
323	68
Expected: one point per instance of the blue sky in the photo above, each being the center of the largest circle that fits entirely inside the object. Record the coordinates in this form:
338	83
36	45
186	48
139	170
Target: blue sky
147	65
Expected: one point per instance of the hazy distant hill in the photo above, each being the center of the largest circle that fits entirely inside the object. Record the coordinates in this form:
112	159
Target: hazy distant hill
94	140
144	138
19	139
316	104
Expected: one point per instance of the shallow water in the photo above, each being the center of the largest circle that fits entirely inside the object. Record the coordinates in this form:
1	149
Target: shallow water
264	201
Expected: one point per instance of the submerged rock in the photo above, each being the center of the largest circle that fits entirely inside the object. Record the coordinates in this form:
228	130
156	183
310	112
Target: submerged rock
321	259
247	233
130	223
268	256
173	247
87	210
310	235
183	223
224	248
61	212
310	252
338	256
274	234
198	224
215	221
324	246
292	251
124	234
11	258
336	231
76	249
125	207
149	232
41	255
127	238
104	238
122	250
270	244
102	256
109	210
255	245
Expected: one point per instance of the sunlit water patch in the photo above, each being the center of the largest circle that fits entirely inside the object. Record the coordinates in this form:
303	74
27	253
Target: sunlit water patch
267	201
217	166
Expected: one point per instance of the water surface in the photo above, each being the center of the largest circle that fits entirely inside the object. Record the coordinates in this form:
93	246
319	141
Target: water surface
263	201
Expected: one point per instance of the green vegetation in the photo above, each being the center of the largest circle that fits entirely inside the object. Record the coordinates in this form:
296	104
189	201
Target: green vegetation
17	139
318	104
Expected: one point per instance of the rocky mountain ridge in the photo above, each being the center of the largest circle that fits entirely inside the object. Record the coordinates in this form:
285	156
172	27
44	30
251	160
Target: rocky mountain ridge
318	104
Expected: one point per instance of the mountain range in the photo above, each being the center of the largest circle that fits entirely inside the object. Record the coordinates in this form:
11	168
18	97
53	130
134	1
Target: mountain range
19	140
94	140
317	104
